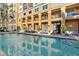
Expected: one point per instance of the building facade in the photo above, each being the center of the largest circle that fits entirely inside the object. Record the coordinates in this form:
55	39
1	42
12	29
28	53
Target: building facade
12	16
48	16
3	14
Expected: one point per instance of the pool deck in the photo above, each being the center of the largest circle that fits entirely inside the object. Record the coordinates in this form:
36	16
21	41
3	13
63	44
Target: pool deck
71	37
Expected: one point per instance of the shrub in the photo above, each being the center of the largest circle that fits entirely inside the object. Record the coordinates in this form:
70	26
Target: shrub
63	28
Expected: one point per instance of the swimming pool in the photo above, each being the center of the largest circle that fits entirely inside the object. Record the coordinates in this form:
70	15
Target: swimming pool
28	45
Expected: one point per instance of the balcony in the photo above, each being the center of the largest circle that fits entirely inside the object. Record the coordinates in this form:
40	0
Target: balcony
44	17
57	4
23	20
36	9
30	12
45	6
30	5
36	19
72	15
24	14
45	27
29	20
56	14
24	26
36	26
56	17
72	11
24	6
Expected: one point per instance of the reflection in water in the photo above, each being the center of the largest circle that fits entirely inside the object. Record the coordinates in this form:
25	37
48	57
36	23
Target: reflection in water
44	41
35	48
26	45
29	46
44	51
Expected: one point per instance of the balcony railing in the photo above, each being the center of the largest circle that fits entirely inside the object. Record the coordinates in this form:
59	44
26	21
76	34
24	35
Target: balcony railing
44	18
72	13
29	20
57	4
36	19
23	21
56	16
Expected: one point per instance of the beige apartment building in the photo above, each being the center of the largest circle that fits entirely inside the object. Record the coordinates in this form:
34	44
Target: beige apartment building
47	16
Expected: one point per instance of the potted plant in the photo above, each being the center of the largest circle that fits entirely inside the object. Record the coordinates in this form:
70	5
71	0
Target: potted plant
63	28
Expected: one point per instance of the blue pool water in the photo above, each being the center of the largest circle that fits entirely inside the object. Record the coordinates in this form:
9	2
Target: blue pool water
27	45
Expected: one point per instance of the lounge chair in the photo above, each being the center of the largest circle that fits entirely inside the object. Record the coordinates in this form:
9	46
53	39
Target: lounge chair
69	32
21	31
50	32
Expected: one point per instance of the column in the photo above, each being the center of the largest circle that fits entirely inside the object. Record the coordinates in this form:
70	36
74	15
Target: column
63	14
26	23
17	15
40	22
21	25
49	21
32	22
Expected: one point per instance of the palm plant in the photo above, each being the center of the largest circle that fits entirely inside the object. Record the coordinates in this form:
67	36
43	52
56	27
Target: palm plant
64	28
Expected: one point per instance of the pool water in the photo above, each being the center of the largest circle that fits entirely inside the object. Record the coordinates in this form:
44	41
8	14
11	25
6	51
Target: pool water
27	45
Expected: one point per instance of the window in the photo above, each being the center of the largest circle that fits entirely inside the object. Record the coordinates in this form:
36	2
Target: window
56	15
30	4
23	20
30	12
24	13
19	20
57	4
24	6
36	9
71	12
45	7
